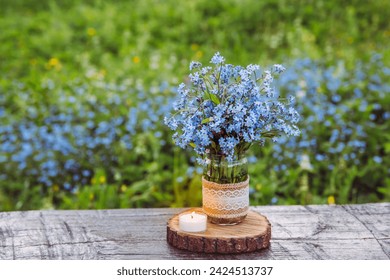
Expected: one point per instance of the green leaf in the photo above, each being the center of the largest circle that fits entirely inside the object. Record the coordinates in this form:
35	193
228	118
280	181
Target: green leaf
269	134
192	145
212	97
387	147
207	120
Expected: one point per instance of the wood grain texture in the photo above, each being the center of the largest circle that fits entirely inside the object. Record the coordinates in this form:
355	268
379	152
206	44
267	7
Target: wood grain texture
298	232
253	234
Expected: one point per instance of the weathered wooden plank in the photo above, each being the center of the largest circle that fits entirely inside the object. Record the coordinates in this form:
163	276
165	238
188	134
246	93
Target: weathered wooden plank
298	232
327	232
376	220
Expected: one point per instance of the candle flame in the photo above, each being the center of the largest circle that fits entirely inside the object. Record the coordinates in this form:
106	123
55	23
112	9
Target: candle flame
192	214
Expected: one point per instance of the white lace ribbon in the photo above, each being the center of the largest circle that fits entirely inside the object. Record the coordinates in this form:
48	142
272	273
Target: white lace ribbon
225	200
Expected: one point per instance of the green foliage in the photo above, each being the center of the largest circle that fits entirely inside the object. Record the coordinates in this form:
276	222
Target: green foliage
50	50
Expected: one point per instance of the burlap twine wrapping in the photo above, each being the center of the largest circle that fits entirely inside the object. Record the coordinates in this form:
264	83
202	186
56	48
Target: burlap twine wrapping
225	200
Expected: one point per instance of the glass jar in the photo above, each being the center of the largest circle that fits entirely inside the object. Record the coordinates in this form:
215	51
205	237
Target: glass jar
225	189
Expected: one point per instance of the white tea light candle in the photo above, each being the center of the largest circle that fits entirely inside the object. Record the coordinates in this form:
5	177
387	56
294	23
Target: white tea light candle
193	222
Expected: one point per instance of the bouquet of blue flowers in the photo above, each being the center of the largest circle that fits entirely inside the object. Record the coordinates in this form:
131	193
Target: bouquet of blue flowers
227	108
220	114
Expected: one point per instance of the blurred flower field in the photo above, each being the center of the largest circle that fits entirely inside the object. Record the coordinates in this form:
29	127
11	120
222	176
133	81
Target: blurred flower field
85	87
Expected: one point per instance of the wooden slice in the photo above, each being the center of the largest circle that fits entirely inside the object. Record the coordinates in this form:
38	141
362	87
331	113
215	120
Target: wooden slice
253	234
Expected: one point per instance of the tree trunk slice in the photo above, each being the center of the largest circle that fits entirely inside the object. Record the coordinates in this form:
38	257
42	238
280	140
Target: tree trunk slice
253	234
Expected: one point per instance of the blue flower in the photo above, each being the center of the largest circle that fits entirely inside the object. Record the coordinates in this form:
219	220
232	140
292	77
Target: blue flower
279	68
195	65
217	59
377	159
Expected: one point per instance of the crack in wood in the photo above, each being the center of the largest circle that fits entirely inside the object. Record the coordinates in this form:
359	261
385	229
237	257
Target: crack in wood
310	210
286	252
279	226
320	227
13	249
312	248
69	230
303	239
65	243
129	254
43	224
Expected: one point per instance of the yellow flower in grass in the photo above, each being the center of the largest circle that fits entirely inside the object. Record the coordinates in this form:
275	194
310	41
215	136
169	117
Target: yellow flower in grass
56	188
91	31
53	63
102	179
198	54
331	200
136	59
194	47
123	188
